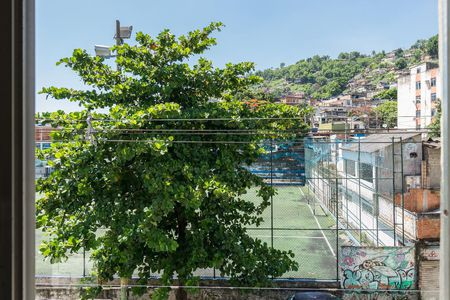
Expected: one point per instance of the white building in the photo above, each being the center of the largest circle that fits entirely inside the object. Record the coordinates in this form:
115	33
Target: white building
364	176
417	96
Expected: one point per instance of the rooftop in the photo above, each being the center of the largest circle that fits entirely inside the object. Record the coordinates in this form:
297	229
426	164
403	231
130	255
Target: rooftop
375	142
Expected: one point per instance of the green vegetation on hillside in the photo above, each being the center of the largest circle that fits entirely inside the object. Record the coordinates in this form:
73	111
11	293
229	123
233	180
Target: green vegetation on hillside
323	77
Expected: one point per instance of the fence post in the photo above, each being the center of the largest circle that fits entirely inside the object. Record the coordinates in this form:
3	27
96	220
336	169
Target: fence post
337	227
359	190
377	203
271	197
403	191
84	261
393	192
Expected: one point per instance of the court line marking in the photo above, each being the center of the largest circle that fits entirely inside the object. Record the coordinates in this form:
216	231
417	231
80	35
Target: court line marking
320	227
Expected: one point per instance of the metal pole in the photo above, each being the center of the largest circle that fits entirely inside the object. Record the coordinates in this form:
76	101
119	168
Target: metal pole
403	191
271	197
445	140
337	231
84	262
119	40
359	189
117	37
328	177
346	191
377	202
393	190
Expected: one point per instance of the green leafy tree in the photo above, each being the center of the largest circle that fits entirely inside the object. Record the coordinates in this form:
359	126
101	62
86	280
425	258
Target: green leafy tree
150	189
432	46
389	94
435	126
399	53
387	113
417	56
401	63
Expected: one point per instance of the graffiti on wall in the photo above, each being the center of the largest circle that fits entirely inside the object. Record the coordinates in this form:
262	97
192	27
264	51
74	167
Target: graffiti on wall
378	268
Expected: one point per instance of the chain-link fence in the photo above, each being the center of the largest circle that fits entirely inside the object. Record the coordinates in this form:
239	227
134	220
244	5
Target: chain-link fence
332	191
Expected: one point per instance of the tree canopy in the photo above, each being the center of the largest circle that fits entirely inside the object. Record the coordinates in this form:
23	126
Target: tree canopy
156	183
389	94
387	113
435	126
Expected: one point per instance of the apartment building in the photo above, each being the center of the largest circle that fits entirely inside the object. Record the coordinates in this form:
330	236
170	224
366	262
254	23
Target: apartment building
418	96
381	182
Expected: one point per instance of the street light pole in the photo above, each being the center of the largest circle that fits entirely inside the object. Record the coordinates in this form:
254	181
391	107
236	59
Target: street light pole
444	64
119	40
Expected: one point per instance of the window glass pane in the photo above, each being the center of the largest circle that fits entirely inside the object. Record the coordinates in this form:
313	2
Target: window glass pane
350	167
433	97
366	172
178	169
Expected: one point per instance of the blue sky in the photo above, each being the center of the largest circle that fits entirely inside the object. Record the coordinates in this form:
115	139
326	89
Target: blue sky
266	32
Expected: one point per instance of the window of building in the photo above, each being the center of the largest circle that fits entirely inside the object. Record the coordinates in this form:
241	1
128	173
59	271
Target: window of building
433	112
350	167
433	81
417	99
418	70
46	146
417	113
366	172
433	97
418	85
367	206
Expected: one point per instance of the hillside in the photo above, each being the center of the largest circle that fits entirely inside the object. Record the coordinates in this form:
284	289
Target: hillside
322	77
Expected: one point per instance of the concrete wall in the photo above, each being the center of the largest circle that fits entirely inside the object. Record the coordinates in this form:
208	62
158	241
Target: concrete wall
405	102
431	178
367	221
63	289
378	268
428	281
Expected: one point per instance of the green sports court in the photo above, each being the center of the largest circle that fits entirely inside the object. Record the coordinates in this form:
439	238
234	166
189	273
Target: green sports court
299	225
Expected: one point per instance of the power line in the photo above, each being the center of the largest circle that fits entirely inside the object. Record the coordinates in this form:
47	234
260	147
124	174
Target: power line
177	119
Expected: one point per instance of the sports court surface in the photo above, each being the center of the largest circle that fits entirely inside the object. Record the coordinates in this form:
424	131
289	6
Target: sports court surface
311	236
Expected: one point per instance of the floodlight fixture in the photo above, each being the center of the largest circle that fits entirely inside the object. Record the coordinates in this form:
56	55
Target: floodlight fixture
122	32
125	32
103	51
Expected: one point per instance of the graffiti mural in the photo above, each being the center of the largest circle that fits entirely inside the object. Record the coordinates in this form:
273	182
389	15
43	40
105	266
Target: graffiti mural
377	268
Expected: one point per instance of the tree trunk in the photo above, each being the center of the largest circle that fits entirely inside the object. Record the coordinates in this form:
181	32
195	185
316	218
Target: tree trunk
123	288
180	294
